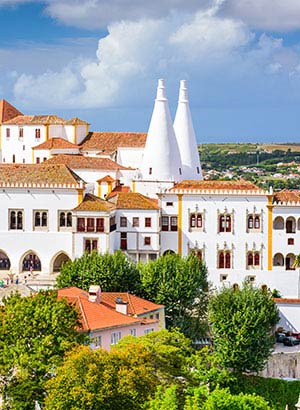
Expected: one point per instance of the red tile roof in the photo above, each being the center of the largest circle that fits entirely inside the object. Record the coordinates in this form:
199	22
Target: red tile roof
83	162
287	300
136	306
133	200
93	203
107	178
95	315
7	111
204	185
110	141
33	174
44	120
286	196
117	189
55	143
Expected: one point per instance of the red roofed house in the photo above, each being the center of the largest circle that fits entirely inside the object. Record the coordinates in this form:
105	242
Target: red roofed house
108	317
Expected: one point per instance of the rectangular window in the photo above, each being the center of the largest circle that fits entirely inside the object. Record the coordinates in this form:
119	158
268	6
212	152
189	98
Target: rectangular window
90	245
65	219
174	226
164	223
21	132
157	316
80	224
37	160
40	219
112	224
148	222
44	159
115	337
123	244
90	226
100	224
24	147
169	203
123	222
133	332
16	219
135	222
290	241
147	331
37	133
7	132
97	341
147	240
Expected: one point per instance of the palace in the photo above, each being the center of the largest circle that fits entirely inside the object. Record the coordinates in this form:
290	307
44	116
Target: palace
66	190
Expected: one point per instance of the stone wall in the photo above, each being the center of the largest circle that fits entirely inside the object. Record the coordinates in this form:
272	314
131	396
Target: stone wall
283	365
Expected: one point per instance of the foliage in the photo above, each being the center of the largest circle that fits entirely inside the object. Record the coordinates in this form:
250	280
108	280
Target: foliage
222	399
181	285
164	399
35	333
113	272
241	322
169	353
277	392
97	379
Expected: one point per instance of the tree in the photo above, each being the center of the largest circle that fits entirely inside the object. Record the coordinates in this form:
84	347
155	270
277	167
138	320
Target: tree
181	285
241	323
35	333
97	379
164	399
113	272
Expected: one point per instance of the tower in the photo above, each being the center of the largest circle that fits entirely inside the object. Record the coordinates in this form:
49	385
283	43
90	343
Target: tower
161	160
186	138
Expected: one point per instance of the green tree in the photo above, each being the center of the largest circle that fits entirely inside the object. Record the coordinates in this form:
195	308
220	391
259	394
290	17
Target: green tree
97	379
35	333
241	323
164	399
181	285
113	272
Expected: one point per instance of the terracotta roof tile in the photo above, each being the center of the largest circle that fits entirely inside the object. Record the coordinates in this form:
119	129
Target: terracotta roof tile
287	300
107	178
117	189
110	141
286	196
55	143
7	111
93	203
215	185
83	162
37	174
133	200
95	315
76	121
36	120
136	306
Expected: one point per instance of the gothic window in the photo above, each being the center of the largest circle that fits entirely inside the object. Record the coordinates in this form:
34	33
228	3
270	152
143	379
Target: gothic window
40	219
65	219
224	260
15	219
224	223
196	221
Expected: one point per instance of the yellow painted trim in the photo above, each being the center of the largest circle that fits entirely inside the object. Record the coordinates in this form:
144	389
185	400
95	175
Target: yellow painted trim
47	131
109	187
133	186
80	195
32	155
179	223
270	232
99	190
75	134
87	129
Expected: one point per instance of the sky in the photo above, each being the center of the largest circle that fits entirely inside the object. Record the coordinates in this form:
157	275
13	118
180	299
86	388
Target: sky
100	60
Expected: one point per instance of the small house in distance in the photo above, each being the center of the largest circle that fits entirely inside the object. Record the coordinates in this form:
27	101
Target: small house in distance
109	316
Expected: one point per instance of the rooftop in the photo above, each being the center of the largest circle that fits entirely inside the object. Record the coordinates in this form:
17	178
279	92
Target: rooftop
7	111
83	162
43	120
110	141
287	196
55	143
93	203
133	200
216	186
136	306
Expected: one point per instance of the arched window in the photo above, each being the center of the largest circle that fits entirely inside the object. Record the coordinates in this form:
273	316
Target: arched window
257	222
221	260
228	223
20	220
199	221
13	220
250	259
69	219
37	219
250	222
227	260
196	220
192	221
256	259
44	219
62	219
222	223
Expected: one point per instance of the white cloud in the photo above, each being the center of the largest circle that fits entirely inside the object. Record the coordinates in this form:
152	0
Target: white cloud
271	15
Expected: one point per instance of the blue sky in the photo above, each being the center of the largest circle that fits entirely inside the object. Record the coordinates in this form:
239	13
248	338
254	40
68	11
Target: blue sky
100	60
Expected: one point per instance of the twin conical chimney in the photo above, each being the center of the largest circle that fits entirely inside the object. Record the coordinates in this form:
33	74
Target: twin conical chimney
161	160
186	138
171	153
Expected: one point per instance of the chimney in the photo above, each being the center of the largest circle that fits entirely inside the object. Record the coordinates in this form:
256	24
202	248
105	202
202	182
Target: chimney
95	294
121	306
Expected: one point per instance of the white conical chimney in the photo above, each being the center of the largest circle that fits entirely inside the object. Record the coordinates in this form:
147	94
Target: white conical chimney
161	159
186	138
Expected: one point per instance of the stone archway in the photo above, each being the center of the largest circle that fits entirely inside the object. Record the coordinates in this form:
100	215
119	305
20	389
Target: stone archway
30	262
58	260
4	261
